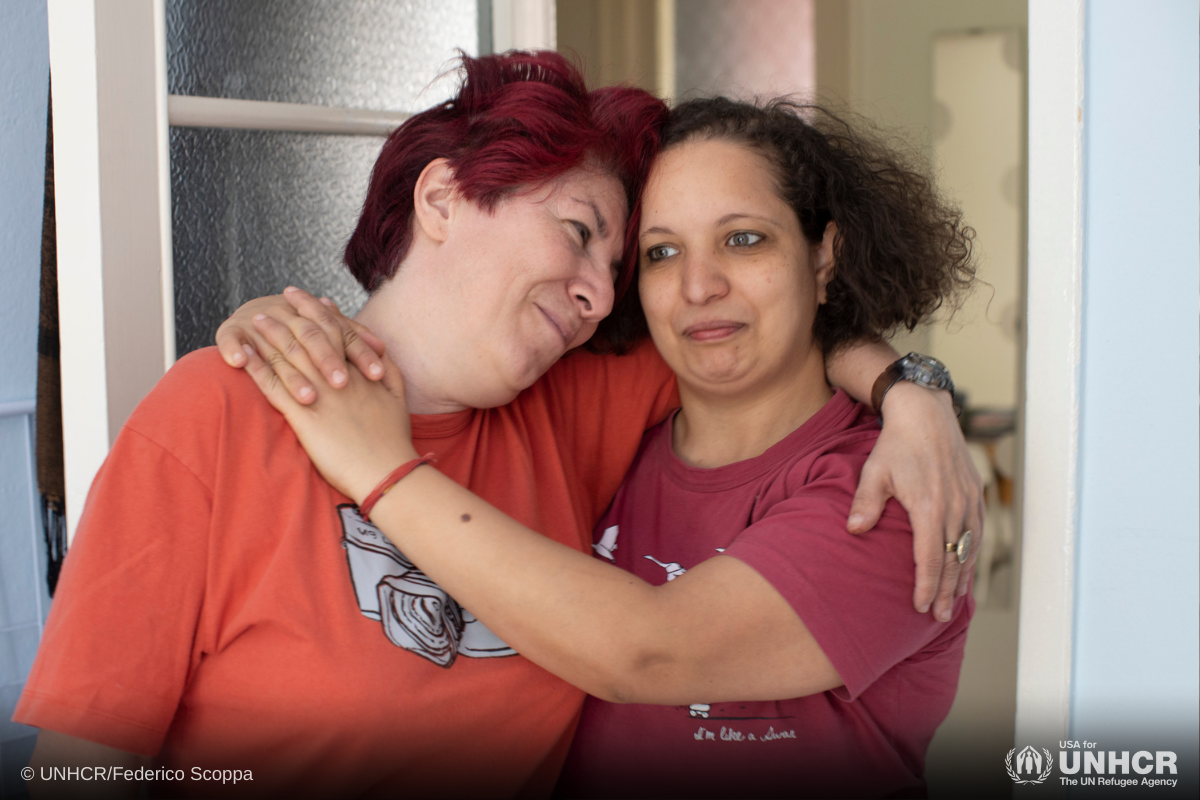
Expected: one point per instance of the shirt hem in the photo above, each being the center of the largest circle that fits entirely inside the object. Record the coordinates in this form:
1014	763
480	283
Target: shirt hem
43	711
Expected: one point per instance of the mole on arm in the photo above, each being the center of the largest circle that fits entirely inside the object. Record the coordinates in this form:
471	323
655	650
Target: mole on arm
466	517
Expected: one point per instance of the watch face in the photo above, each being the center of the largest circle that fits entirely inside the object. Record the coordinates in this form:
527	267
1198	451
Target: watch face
926	371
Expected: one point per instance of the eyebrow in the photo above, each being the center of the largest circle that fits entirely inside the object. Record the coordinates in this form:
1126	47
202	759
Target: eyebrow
601	222
725	220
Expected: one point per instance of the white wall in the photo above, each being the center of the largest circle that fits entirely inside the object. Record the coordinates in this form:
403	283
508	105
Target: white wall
24	71
744	48
1136	625
891	53
890	74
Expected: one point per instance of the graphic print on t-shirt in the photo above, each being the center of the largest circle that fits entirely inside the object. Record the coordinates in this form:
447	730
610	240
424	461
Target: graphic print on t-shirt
607	543
728	711
416	614
674	570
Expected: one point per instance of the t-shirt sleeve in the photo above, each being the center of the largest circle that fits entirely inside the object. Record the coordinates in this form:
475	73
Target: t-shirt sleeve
601	405
118	644
853	593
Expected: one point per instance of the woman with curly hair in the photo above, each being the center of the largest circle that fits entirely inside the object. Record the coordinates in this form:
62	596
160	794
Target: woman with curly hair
740	644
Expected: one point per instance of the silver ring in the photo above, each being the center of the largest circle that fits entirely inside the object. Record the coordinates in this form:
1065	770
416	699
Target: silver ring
961	548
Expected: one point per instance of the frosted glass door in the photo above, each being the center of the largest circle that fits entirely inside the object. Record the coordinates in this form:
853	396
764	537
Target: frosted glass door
254	211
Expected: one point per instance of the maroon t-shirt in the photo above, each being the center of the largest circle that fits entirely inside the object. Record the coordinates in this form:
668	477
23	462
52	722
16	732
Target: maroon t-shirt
783	513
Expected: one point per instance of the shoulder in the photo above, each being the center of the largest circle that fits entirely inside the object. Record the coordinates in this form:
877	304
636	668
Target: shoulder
844	433
642	364
853	429
653	458
202	375
198	384
590	391
808	497
201	406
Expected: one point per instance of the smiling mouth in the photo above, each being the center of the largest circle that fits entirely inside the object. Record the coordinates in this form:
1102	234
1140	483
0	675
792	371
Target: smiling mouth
558	326
713	331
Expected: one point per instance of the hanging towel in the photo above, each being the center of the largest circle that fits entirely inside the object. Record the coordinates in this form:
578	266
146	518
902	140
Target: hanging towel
51	482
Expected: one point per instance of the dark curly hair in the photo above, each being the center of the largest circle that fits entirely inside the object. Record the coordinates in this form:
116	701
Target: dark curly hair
901	251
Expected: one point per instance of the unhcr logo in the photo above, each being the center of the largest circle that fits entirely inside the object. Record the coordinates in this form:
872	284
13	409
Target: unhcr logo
1029	766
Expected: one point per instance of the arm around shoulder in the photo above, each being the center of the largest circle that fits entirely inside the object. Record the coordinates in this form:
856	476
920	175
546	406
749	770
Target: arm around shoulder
719	632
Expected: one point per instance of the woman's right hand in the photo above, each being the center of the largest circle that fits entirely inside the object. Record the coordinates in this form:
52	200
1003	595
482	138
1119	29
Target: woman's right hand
354	436
280	326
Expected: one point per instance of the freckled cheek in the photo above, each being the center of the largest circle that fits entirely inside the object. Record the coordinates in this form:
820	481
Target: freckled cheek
654	304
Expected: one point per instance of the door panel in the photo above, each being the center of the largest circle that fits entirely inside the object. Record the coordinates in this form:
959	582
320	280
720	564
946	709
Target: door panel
377	54
256	210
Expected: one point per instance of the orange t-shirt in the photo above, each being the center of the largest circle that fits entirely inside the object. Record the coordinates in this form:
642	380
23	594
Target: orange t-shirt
223	607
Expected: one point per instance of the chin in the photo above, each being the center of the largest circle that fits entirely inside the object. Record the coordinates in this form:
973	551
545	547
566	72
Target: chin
489	397
505	386
525	373
716	372
730	387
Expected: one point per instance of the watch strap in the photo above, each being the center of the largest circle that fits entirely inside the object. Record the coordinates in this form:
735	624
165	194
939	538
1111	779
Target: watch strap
924	371
886	380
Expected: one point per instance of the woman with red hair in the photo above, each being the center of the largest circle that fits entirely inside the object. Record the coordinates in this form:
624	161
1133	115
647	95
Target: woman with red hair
225	607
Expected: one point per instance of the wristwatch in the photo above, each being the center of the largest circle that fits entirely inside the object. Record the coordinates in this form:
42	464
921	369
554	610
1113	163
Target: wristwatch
921	370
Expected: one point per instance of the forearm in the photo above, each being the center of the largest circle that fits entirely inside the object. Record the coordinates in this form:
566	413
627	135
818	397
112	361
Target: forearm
587	622
855	367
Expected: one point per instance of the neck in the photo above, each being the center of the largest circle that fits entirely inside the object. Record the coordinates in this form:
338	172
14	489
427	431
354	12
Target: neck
403	329
712	429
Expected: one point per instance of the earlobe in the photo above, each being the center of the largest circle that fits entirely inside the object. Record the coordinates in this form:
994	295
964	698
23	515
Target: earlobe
433	199
825	261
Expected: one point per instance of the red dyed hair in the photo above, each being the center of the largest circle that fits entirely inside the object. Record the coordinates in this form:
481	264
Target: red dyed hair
519	119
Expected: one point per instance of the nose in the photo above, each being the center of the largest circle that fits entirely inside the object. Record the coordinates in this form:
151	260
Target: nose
702	279
591	289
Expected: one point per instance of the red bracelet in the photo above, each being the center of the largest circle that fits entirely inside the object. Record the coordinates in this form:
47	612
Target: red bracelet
393	477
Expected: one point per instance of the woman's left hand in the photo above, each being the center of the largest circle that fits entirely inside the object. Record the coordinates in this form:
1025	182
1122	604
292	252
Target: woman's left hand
921	459
354	436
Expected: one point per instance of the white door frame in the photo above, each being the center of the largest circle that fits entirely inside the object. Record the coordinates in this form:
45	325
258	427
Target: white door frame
113	210
524	25
113	206
1052	371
